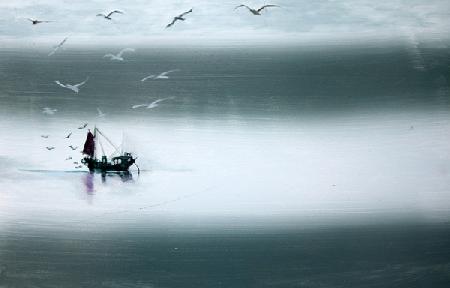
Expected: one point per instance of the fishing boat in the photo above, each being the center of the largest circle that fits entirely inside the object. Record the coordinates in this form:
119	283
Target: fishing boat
118	161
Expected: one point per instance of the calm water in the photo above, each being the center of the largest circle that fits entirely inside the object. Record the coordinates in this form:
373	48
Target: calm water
295	167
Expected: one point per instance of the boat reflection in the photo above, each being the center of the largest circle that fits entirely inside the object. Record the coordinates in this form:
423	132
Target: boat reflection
88	180
89	183
125	176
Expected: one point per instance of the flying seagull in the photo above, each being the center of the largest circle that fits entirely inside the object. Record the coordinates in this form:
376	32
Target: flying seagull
75	87
148	77
79	166
75	162
153	104
118	56
35	21
100	113
57	47
163	75
48	111
50	148
44	136
108	16
73	148
68	135
255	11
83	126
69	158
179	17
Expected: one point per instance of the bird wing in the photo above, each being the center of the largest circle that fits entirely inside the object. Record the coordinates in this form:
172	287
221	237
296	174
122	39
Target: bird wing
109	55
185	13
125	50
115	11
148	77
160	100
171	23
62	42
48	110
138	105
242	5
82	83
57	47
101	14
53	51
60	84
167	72
156	101
32	20
265	6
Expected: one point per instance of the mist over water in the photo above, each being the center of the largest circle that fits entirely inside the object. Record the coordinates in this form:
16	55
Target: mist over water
292	154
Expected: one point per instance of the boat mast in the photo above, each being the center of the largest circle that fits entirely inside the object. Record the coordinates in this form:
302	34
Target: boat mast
95	142
121	145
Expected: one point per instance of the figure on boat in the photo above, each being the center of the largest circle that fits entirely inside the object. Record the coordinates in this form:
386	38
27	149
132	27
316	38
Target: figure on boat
119	161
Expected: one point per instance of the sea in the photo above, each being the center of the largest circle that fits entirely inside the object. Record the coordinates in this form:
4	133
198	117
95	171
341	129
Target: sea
263	166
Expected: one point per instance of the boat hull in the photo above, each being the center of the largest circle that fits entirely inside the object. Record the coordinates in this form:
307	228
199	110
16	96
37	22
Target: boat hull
118	164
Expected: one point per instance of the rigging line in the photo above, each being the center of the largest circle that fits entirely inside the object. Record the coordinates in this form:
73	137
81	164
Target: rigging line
115	152
107	139
101	146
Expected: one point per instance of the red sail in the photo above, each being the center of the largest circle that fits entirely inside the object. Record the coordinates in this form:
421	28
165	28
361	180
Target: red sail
89	145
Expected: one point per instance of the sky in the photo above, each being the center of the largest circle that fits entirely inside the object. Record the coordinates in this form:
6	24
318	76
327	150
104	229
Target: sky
144	21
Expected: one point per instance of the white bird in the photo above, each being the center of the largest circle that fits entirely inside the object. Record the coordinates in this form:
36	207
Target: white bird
100	113
108	16
179	17
68	135
73	148
48	110
163	75
83	126
118	56
57	47
50	148
153	104
79	166
75	87
35	21
148	77
69	158
255	11
44	136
